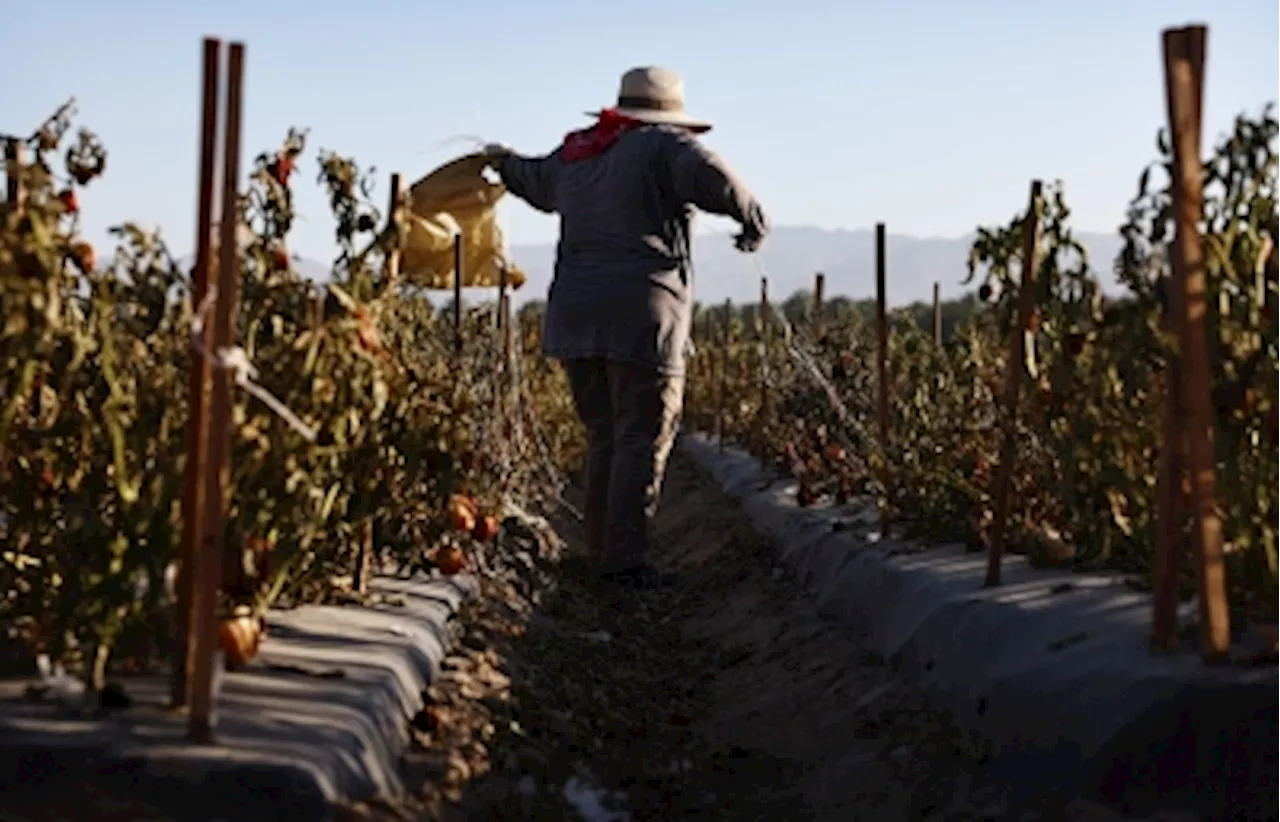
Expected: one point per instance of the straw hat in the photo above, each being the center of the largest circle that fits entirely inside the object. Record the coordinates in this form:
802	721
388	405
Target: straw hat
655	95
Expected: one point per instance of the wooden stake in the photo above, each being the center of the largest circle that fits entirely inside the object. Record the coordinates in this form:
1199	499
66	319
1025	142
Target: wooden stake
724	372
882	334
194	491
764	350
937	315
512	347
393	223
457	297
209	565
1013	385
15	157
502	296
819	287
504	377
500	317
1184	57
364	569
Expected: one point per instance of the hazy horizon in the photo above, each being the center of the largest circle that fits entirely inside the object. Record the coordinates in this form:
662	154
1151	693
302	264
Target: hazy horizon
790	258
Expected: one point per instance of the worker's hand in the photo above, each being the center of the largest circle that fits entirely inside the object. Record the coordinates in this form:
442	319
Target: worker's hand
495	152
749	240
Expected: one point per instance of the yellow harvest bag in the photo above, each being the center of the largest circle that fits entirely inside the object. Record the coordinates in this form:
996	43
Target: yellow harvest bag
456	198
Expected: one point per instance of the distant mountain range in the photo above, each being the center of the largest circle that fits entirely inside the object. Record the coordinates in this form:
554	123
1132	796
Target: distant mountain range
793	254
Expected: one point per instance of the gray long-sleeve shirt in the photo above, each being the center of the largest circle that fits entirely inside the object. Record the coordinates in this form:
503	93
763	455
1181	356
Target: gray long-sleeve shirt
623	283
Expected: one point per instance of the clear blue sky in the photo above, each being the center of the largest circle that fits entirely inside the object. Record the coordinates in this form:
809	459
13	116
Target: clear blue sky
930	116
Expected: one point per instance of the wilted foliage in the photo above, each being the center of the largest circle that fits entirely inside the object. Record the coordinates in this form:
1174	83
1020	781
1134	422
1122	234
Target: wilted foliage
94	361
1084	492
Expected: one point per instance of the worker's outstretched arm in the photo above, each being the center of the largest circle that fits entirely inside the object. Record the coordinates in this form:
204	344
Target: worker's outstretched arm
532	179
704	180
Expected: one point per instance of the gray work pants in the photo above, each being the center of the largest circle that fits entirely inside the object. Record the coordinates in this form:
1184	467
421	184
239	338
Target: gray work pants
631	413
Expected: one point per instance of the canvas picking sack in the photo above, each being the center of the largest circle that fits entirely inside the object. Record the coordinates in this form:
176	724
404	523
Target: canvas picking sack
456	197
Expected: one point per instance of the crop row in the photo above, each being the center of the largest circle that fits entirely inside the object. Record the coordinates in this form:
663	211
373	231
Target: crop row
378	421
1085	487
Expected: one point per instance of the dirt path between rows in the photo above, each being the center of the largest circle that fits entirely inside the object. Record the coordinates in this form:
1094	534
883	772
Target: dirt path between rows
728	699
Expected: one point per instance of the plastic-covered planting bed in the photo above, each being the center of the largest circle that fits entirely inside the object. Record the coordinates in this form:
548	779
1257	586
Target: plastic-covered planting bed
320	716
1052	667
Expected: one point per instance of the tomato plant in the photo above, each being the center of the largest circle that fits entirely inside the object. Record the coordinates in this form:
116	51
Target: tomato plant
392	420
1089	432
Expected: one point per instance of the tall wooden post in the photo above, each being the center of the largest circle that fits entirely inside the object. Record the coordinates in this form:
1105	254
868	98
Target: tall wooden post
207	582
937	315
882	336
194	491
1013	386
15	157
394	223
819	287
501	317
502	412
764	350
457	296
1184	57
502	296
365	551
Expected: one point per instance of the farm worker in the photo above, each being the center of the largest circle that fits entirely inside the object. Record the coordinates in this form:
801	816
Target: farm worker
619	310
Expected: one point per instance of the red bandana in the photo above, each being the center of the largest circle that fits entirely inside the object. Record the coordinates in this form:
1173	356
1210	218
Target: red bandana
594	141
